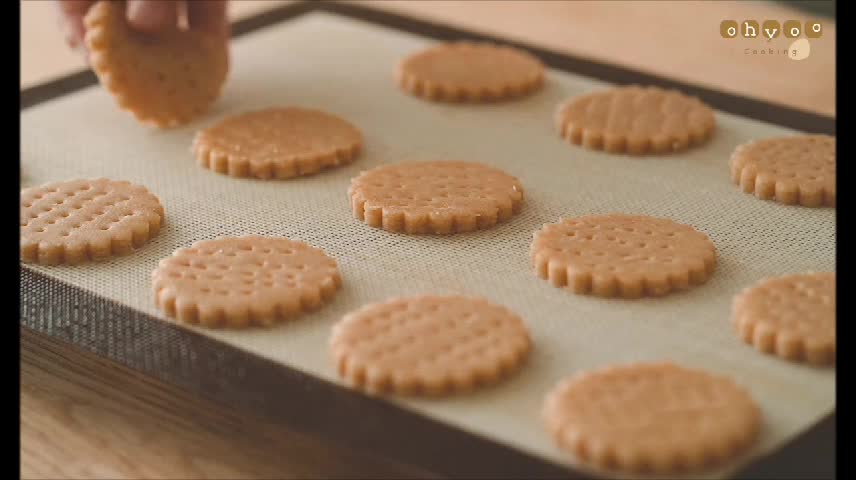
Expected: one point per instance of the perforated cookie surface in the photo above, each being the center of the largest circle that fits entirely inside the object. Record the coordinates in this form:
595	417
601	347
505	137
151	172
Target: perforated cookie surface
430	345
435	197
622	255
793	170
75	221
165	79
635	120
792	317
651	418
239	282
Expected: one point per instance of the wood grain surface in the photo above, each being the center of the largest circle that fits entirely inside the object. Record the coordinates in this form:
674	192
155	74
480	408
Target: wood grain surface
84	418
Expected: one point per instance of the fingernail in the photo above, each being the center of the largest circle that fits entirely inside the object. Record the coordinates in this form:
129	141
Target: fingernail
151	16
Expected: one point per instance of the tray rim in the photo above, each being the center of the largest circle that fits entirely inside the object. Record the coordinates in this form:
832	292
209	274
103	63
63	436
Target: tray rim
219	372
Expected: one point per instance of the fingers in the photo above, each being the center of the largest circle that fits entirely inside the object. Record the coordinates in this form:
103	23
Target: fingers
209	16
74	7
149	16
152	16
71	14
74	31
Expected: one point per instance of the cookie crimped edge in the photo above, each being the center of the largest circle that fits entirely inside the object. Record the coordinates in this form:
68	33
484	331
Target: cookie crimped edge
603	456
446	92
375	382
437	223
189	312
97	249
766	339
620	144
439	92
777	190
562	275
95	38
226	163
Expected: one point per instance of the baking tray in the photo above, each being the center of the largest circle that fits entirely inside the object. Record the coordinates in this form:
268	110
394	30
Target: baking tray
339	57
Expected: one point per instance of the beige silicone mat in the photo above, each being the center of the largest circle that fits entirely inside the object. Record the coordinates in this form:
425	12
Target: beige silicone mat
345	67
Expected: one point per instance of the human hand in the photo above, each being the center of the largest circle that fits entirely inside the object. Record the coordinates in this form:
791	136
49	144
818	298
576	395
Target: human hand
150	16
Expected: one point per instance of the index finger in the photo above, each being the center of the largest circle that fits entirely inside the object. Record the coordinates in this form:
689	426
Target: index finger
71	14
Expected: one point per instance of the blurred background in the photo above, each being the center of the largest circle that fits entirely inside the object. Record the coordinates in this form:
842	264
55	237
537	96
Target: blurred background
678	39
826	9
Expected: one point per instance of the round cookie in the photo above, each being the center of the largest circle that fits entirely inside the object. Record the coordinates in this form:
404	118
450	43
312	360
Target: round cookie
792	317
164	80
797	170
277	143
79	220
635	120
428	345
437	197
470	72
622	255
651	417
240	282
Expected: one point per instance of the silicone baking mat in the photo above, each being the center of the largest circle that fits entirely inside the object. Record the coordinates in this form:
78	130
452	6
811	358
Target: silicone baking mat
344	66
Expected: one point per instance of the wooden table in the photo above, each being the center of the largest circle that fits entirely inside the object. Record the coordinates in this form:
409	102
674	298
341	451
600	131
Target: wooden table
84	418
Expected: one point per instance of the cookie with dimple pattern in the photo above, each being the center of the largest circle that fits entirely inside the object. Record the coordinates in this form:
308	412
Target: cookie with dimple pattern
165	79
622	255
797	170
75	221
437	197
651	418
244	281
635	120
792	317
428	345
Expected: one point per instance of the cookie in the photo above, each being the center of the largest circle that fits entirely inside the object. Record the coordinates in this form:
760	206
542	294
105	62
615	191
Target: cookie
164	80
242	282
651	418
621	255
470	72
437	197
80	220
277	143
428	345
797	170
635	120
792	317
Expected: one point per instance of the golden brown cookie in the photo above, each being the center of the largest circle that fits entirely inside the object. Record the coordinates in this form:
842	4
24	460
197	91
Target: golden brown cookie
651	418
163	79
428	345
622	255
635	120
277	143
434	197
240	282
470	72
792	317
797	170
79	220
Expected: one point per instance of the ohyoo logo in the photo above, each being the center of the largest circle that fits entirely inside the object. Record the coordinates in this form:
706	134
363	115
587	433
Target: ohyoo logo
771	29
